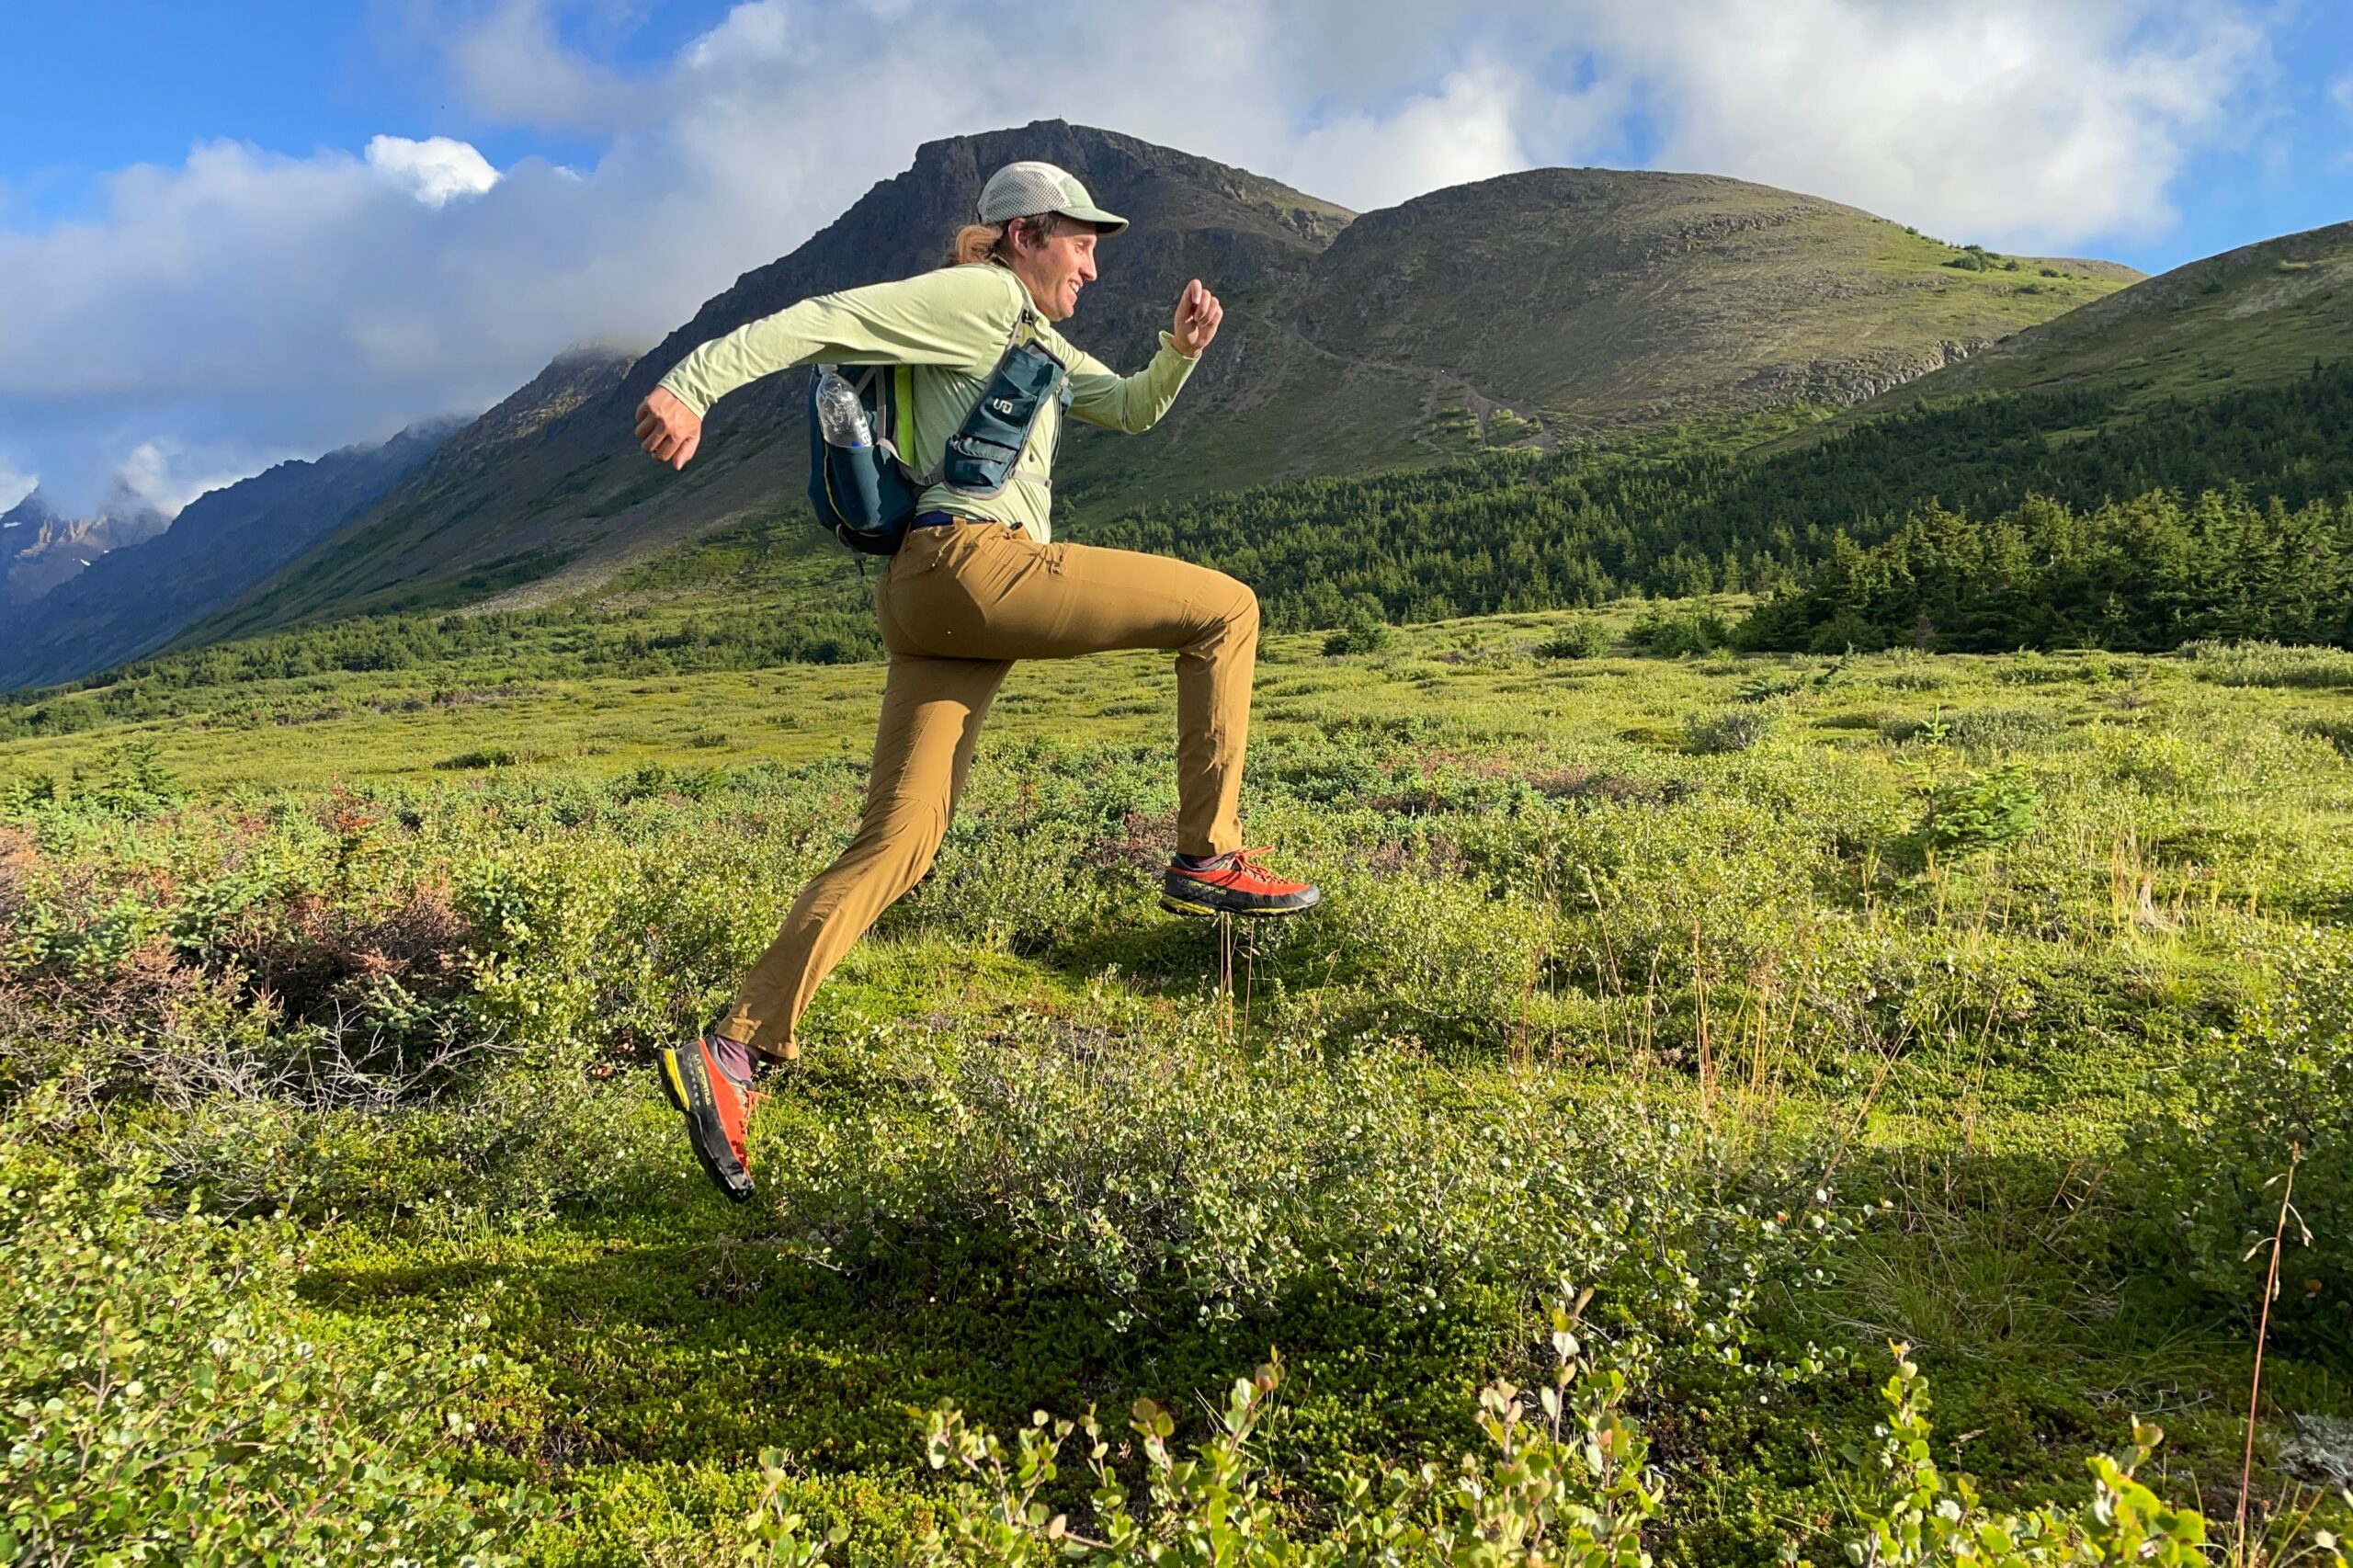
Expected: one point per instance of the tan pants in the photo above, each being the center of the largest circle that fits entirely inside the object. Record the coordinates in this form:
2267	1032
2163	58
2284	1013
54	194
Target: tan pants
959	604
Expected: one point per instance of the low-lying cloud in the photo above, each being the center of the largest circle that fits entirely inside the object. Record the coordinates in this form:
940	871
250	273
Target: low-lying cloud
242	305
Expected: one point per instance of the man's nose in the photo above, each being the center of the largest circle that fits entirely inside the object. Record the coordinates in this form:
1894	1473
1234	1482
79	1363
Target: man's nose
1086	268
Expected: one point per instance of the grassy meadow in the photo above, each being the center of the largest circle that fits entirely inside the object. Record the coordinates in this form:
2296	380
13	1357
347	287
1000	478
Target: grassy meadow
1676	1034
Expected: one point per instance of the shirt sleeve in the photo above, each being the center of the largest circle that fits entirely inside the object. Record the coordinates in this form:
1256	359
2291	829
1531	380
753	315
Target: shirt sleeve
1101	395
957	316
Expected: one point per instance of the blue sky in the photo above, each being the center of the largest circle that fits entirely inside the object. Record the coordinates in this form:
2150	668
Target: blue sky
257	230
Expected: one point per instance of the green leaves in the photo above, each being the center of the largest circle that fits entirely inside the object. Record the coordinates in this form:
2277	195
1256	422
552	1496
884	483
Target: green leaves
162	1399
1912	1514
1570	1485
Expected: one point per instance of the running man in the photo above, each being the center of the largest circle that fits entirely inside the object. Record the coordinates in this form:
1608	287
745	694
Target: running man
978	584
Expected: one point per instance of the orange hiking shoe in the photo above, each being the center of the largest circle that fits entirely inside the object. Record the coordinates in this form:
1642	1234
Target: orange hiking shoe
711	1081
1233	883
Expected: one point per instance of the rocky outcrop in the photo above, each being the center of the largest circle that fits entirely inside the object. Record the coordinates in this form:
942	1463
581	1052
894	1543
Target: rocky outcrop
42	548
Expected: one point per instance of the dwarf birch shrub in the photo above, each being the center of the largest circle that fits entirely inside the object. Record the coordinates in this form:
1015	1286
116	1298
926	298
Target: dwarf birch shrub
163	1400
1196	1184
1564	1478
2210	1174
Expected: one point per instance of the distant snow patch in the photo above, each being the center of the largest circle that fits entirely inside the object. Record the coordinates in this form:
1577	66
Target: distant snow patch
435	171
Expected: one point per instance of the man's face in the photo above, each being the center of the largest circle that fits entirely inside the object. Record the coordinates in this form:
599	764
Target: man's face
1057	269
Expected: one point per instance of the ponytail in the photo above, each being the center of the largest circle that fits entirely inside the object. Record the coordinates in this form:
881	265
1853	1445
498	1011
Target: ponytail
973	242
993	242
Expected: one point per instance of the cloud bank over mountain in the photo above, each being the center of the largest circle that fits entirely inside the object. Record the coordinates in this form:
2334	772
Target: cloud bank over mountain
246	304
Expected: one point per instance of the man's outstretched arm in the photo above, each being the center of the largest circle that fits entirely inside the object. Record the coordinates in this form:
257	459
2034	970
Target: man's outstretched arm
1134	403
957	316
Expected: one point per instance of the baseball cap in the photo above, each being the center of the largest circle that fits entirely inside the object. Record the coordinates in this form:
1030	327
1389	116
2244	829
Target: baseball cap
1025	189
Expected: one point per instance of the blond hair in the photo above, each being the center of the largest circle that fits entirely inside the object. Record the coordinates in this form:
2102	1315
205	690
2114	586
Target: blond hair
993	242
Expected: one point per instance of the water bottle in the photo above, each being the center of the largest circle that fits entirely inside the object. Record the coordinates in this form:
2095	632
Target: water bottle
839	414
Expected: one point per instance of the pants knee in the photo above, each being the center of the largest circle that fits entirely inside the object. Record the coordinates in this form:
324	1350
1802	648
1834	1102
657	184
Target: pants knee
900	838
1243	612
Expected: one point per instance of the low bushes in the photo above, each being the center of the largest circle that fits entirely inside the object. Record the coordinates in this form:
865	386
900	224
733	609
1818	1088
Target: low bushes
162	1399
1199	1185
2216	1172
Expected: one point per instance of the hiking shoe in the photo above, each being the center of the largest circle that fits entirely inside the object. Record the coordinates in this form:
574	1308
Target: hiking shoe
1231	884
711	1081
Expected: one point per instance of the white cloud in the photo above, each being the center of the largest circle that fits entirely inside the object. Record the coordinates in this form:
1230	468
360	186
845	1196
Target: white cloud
156	475
1466	131
434	170
15	486
247	304
512	67
2014	121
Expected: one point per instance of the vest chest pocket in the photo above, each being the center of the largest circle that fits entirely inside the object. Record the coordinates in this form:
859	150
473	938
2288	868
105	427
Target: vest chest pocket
980	458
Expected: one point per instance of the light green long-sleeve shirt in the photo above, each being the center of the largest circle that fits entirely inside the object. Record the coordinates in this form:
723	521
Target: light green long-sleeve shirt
951	326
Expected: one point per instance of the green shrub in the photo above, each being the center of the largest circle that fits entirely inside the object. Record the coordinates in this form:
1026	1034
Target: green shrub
1361	633
2211	1175
1584	638
1915	1517
2003	729
1978	813
2269	663
484	756
1199	1185
1673	634
1735	729
162	1399
2337	733
1566	1479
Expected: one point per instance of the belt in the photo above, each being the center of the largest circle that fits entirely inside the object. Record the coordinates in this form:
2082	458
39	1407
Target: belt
934	519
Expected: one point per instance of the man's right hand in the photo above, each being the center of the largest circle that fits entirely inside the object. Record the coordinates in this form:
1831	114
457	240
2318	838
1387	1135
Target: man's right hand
667	428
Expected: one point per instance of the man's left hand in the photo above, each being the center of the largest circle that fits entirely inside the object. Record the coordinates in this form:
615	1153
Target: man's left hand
1198	314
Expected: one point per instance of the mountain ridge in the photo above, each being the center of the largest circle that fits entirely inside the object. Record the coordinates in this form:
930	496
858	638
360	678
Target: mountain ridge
136	597
40	548
1807	299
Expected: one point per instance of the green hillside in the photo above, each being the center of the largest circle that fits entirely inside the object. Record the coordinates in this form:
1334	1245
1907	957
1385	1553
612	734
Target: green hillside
1527	309
1515	531
1508	531
2249	317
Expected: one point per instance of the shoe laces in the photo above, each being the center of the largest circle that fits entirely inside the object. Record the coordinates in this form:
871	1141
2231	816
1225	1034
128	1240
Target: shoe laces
1247	860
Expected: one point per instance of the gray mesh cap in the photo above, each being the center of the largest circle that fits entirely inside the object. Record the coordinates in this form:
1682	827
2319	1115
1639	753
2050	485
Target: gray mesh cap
1025	189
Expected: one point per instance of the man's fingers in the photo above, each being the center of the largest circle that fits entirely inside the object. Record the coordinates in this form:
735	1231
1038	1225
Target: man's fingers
666	431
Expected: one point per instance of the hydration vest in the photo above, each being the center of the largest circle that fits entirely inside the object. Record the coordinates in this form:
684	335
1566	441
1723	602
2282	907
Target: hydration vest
865	496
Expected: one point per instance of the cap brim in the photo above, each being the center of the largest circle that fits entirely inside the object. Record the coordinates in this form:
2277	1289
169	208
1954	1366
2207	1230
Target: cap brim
1110	222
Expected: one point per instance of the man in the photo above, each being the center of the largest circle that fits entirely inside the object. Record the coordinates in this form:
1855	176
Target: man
979	584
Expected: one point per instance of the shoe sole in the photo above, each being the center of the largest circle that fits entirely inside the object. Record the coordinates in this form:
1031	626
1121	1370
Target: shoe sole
1176	905
736	1186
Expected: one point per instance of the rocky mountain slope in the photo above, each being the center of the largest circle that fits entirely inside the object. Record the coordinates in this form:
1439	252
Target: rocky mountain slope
1537	306
40	548
136	597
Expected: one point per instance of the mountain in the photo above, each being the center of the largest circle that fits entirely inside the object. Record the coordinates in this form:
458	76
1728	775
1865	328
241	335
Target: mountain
2255	316
1559	303
40	549
435	514
137	596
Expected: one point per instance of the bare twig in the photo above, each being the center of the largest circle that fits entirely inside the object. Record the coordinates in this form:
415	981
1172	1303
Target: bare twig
2262	1331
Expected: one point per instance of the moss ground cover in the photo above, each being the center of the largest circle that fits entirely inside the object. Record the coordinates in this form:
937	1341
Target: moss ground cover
1789	1005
